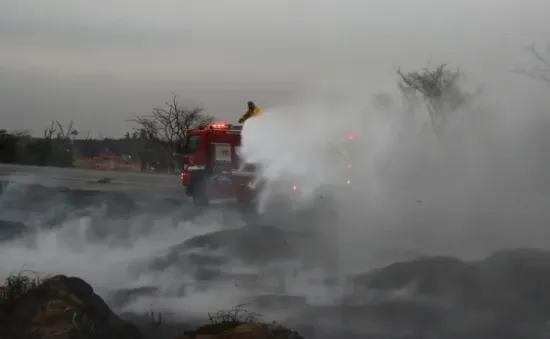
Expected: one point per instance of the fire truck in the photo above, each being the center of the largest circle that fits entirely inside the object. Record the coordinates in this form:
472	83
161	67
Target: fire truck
212	168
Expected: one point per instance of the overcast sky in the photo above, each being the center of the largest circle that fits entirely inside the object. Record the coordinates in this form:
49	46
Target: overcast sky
101	62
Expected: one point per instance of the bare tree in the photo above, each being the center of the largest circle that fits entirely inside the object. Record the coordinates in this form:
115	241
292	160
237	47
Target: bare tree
63	133
49	132
440	92
168	126
55	148
540	72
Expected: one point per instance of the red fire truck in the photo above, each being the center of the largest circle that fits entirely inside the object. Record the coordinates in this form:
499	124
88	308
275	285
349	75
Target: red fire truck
212	168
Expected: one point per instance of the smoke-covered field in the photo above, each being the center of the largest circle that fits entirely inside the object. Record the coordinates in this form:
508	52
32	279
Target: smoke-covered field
483	187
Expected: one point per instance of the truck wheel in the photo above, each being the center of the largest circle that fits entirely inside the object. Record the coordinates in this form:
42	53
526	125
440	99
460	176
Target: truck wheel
198	193
247	204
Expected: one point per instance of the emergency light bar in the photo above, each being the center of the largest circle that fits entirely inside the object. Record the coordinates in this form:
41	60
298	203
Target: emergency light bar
218	125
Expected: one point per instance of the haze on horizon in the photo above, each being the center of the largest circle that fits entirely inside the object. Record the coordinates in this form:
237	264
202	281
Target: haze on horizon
100	63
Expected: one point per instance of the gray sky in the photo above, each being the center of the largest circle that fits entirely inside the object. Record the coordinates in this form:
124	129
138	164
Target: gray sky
101	62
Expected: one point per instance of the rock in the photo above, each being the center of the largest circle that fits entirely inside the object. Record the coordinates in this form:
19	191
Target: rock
241	331
428	274
62	307
504	293
252	243
516	281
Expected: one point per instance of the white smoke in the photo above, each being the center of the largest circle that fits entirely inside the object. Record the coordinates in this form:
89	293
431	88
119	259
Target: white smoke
111	263
298	146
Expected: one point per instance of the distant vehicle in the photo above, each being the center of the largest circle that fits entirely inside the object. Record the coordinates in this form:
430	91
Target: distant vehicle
212	168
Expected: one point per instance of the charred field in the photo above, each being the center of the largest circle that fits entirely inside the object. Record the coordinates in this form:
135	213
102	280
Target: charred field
163	258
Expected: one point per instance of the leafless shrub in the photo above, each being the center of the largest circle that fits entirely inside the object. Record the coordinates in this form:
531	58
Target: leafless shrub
440	92
541	72
17	286
238	314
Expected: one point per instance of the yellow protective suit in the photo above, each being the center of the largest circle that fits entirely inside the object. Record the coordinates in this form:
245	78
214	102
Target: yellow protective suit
250	113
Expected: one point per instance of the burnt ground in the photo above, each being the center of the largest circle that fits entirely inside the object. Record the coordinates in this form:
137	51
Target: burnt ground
504	295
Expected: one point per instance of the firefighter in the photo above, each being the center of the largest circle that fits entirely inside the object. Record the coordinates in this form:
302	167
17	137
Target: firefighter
253	111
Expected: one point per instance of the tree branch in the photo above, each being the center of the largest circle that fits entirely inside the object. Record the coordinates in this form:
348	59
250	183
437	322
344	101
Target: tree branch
537	73
440	90
168	126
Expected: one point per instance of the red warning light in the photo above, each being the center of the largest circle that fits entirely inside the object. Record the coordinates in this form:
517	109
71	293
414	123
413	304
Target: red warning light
351	137
294	188
349	165
218	125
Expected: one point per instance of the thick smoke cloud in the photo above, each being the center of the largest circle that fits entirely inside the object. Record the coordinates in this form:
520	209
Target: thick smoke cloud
463	194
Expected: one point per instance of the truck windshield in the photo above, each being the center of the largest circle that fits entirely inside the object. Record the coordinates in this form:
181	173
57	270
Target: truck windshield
192	144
